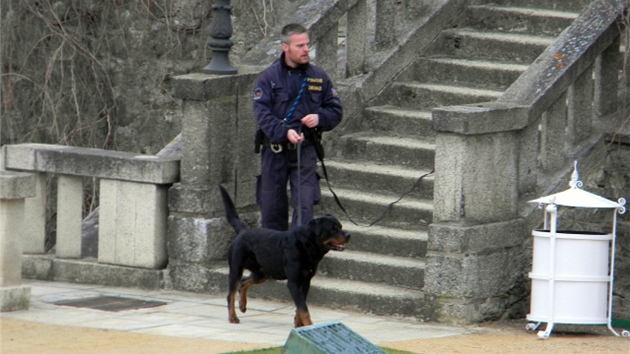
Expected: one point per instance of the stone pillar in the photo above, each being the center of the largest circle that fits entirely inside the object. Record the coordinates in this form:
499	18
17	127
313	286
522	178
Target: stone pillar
218	148
35	212
607	80
473	252
69	216
14	188
132	229
356	39
326	53
385	36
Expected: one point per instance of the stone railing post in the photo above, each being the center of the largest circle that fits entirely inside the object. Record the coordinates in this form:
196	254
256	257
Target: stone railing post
326	53
606	80
356	39
385	32
14	188
476	231
69	209
218	148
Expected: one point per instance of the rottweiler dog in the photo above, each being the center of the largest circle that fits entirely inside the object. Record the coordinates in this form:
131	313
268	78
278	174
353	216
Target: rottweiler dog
291	255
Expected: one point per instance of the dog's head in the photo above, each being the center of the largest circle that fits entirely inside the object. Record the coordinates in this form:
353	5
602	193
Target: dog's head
328	233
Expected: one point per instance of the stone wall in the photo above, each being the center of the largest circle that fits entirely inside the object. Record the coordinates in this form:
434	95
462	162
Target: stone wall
613	182
97	73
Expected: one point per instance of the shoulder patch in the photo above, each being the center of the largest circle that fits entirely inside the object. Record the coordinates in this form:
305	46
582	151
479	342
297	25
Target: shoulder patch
258	93
334	92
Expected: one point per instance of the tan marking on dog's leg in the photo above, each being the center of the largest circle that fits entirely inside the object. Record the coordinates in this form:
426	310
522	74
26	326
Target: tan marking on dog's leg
302	318
231	310
242	292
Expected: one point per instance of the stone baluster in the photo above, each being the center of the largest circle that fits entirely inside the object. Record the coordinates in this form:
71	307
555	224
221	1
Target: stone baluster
14	188
385	36
356	39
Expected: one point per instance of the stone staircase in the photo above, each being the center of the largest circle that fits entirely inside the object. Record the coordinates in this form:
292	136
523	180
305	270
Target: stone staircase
382	270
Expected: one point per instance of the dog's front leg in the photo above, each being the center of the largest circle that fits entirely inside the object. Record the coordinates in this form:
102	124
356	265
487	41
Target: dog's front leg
302	316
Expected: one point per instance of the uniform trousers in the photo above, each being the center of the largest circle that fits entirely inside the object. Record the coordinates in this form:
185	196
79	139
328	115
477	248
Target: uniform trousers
278	169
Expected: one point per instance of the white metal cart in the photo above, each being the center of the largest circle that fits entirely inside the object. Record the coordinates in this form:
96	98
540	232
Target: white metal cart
572	271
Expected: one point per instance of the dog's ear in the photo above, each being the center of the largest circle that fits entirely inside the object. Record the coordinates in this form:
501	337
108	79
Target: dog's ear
316	226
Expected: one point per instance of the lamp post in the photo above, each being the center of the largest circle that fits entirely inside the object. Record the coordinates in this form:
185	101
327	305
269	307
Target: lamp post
219	42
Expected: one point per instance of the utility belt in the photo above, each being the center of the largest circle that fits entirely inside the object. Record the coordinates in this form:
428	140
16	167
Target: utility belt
262	140
285	146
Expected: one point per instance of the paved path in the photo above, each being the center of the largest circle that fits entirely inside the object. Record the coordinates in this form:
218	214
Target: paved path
196	317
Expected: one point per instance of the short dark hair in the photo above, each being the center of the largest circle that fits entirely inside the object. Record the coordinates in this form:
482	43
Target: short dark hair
291	29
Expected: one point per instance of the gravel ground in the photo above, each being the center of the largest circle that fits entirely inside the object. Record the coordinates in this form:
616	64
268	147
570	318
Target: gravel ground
21	337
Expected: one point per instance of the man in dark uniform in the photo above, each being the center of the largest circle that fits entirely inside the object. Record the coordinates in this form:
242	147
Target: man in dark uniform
292	98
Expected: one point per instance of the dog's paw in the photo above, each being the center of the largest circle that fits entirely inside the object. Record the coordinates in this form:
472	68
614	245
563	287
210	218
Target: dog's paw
234	320
243	308
302	319
296	321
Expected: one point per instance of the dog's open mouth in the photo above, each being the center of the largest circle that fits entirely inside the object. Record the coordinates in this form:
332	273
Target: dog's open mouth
334	247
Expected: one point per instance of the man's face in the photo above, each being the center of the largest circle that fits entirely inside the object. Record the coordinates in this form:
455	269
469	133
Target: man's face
296	52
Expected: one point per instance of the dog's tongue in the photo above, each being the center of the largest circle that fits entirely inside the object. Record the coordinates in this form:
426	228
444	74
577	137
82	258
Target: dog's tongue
338	247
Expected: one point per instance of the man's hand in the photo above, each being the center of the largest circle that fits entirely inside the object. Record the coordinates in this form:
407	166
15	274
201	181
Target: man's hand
294	137
311	120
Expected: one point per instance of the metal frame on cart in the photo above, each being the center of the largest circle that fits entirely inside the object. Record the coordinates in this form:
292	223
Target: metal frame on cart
575	197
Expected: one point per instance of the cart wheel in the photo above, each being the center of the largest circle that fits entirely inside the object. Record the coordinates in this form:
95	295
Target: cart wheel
625	333
531	326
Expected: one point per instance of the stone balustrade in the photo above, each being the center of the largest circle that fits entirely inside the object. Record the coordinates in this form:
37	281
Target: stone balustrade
492	157
133	201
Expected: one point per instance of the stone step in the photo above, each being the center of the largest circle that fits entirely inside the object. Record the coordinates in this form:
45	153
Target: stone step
431	95
399	120
365	208
565	5
388	241
465	72
505	47
378	299
383	178
387	149
514	19
374	268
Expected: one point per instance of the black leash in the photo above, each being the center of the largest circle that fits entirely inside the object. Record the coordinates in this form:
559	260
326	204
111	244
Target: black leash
299	191
319	150
390	205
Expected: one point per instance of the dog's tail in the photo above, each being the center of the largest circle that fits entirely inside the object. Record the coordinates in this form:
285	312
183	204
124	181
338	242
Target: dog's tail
230	212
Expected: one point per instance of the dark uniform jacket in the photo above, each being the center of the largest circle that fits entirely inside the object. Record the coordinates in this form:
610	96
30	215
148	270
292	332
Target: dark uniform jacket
275	91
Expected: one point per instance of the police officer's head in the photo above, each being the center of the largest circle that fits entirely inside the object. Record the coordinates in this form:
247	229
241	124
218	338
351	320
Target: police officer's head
295	44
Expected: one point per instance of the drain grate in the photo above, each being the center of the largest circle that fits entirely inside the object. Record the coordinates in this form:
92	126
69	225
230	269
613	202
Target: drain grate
110	303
